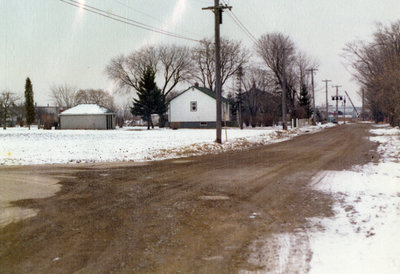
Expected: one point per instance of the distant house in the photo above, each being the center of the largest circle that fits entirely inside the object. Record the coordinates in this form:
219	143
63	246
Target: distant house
48	116
87	116
195	108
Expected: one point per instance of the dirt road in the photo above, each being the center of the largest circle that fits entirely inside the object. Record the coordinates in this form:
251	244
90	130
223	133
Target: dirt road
193	215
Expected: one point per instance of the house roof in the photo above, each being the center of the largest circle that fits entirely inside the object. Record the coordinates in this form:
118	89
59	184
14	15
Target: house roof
87	109
207	91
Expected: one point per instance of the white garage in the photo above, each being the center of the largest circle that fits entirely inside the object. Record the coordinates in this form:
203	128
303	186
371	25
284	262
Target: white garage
87	116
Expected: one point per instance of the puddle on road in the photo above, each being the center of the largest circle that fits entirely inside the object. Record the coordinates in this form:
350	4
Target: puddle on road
214	197
182	161
20	185
213	258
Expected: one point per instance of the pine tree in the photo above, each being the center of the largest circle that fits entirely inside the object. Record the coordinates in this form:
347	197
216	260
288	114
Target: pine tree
305	101
150	98
160	105
29	105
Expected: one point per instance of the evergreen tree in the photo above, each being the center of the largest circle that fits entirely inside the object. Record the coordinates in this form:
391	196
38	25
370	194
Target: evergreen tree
29	105
160	105
150	98
305	101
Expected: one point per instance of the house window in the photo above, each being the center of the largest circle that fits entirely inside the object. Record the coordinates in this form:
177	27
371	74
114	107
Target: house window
193	106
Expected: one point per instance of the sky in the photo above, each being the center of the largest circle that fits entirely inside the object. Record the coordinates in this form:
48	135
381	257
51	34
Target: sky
54	43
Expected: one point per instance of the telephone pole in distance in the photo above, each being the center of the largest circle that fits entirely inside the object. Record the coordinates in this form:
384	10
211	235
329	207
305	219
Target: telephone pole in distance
326	93
313	92
218	9
337	102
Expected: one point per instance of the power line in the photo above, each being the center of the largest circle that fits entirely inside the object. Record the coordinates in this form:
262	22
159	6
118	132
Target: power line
125	20
136	10
130	21
147	15
240	24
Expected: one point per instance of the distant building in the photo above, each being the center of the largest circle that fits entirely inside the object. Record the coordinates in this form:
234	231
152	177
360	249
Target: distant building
48	116
195	108
87	116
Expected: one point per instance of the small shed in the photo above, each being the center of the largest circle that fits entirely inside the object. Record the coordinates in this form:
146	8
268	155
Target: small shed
196	108
87	116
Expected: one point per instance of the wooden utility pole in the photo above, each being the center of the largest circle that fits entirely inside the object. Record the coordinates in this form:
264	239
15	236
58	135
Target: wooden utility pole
313	92
218	9
362	108
348	96
344	110
326	97
337	102
240	96
284	91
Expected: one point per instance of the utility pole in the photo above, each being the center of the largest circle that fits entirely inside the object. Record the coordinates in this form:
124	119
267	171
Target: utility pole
284	87
326	96
362	108
313	92
344	110
218	9
240	96
348	96
337	102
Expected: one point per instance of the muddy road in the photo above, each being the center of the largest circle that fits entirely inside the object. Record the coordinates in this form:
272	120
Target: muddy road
191	215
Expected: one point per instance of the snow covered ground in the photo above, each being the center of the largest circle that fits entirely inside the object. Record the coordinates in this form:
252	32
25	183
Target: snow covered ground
364	235
20	146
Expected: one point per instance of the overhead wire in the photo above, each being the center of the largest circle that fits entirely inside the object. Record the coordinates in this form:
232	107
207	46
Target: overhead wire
138	11
146	14
241	25
125	20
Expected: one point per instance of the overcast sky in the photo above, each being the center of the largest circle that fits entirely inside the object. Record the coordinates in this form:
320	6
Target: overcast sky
55	43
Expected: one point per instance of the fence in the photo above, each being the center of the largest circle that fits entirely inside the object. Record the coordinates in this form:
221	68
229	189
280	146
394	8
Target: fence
300	122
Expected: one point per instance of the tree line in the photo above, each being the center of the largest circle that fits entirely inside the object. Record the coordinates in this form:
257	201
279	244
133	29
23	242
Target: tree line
259	102
284	65
376	67
253	80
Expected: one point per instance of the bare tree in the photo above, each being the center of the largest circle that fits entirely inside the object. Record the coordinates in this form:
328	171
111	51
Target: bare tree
124	114
233	56
95	96
7	105
63	95
376	66
279	54
176	66
303	63
172	63
287	64
260	78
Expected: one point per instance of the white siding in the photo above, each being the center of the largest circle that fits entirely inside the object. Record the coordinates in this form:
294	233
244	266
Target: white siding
180	107
83	121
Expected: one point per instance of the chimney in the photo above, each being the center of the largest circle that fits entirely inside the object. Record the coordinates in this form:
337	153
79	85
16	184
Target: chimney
196	84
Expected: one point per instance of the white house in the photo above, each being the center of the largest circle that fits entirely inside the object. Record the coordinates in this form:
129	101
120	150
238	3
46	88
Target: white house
195	108
87	116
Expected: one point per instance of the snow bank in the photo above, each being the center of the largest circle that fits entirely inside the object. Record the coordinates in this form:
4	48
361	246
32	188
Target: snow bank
364	235
20	146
